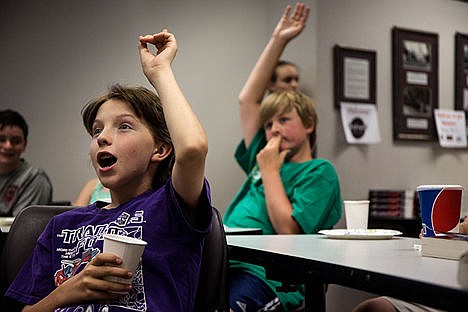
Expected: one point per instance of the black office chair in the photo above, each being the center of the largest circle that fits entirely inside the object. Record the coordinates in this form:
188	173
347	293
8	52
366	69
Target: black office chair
60	203
212	292
28	225
19	244
22	237
2	241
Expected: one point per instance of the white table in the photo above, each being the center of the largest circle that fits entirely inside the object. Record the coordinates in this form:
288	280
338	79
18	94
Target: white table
241	231
390	267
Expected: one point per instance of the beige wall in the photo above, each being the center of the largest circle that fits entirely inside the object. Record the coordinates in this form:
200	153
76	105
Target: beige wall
367	24
57	55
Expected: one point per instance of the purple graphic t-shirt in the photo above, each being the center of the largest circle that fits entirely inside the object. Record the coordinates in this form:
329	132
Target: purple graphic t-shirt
167	277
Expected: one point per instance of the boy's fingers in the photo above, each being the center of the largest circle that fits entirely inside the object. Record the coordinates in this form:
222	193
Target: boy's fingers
146	38
284	154
306	15
297	12
276	140
104	258
286	11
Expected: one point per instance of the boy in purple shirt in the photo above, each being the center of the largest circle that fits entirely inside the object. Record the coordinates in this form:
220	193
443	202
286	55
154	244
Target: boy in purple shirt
153	163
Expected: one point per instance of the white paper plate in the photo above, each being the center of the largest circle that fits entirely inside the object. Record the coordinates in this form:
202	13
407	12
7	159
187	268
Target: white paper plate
360	234
6	221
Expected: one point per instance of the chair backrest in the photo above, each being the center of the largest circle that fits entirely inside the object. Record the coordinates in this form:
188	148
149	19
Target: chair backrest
22	238
212	293
60	203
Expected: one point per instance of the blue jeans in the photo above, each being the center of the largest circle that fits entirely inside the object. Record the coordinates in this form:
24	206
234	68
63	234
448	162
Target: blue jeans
248	293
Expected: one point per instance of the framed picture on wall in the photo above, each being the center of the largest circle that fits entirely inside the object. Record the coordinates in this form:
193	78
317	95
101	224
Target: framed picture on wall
461	73
354	75
415	84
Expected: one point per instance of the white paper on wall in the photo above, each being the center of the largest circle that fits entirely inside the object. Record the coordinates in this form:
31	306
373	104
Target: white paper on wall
360	123
451	128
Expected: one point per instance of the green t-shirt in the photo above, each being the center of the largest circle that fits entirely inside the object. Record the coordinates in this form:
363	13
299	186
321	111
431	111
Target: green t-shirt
312	188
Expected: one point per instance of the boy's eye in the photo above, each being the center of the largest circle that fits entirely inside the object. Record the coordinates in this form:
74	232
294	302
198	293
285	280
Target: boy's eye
125	126
96	131
13	140
16	141
268	125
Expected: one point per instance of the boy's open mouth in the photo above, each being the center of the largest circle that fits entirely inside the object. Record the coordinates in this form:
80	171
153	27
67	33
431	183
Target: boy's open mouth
106	160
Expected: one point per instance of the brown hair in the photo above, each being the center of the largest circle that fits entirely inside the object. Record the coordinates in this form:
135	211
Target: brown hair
286	101
147	107
10	118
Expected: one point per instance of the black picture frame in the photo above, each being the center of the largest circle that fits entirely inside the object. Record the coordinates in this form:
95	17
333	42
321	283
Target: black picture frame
415	84
355	76
461	74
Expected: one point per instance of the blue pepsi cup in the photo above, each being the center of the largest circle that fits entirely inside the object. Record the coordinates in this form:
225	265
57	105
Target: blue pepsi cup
440	208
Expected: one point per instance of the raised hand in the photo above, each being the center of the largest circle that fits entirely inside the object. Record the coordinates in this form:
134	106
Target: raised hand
288	26
166	47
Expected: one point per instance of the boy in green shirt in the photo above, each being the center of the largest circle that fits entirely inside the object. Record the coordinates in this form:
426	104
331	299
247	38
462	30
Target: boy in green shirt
286	191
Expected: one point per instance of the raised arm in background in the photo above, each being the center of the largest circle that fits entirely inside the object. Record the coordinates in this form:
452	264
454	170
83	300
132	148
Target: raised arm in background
258	82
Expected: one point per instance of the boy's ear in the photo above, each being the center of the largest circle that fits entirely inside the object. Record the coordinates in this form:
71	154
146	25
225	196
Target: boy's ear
310	128
161	152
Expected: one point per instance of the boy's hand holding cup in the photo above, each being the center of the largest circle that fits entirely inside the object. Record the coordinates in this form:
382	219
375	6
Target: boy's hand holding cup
129	249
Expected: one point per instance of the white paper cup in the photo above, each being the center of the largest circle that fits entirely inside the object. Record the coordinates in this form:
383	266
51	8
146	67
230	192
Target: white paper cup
129	249
356	213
